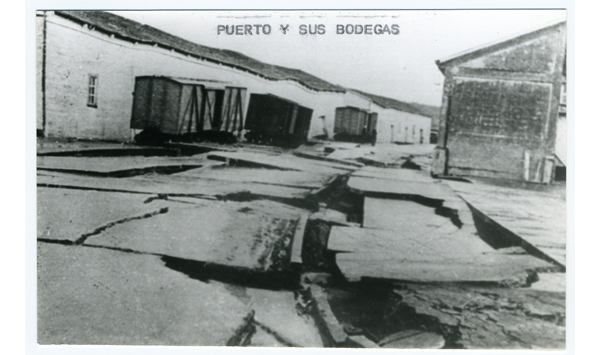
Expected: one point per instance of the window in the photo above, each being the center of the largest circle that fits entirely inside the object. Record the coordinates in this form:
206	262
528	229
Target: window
93	91
562	108
563	94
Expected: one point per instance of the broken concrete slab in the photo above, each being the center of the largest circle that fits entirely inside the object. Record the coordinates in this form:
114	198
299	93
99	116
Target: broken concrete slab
299	239
95	296
117	166
328	159
553	282
491	318
388	188
537	218
251	236
279	162
67	214
51	144
363	341
454	257
276	312
264	339
377	163
407	217
328	324
394	174
171	185
198	148
114	151
295	179
413	339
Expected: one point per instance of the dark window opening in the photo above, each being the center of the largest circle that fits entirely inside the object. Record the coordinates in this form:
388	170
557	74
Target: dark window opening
92	91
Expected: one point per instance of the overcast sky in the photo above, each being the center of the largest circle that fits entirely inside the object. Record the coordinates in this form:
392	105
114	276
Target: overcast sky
399	66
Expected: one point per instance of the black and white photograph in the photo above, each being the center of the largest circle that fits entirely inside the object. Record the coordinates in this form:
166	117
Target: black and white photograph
390	179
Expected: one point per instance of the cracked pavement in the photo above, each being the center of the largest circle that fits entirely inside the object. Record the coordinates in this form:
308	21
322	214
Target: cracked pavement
236	251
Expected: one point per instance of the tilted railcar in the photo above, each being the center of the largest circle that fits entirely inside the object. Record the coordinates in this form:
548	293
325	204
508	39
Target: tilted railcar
178	109
277	121
354	125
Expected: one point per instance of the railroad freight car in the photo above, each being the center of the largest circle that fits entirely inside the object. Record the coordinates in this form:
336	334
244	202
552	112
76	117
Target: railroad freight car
178	109
354	125
277	121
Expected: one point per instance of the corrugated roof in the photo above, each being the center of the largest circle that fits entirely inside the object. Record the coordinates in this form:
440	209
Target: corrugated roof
387	102
134	31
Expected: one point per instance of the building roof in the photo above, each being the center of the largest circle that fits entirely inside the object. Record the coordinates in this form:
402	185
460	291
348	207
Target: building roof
133	31
208	83
387	102
498	45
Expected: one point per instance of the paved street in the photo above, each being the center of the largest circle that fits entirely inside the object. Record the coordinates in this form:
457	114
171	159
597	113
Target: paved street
332	244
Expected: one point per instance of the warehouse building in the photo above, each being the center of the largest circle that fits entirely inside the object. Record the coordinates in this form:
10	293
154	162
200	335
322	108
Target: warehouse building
501	110
88	63
399	122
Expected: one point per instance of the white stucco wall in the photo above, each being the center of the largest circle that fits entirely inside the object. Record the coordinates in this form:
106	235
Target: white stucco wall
74	52
392	125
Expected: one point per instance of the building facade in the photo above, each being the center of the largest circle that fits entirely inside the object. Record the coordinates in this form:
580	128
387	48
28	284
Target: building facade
500	108
88	62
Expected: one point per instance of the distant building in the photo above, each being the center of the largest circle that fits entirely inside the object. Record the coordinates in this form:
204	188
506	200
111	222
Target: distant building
503	115
398	121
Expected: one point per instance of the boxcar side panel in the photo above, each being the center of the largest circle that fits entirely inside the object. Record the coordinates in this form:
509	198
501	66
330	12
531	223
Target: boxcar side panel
185	105
141	103
170	112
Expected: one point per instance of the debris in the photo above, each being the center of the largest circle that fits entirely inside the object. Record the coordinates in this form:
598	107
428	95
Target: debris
243	334
332	331
363	341
413	339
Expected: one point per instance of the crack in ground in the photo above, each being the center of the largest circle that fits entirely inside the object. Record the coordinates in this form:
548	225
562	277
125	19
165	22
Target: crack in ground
276	335
89	188
99	230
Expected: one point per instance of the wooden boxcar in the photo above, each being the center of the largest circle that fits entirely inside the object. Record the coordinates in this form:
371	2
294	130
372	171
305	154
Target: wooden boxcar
274	120
178	109
354	125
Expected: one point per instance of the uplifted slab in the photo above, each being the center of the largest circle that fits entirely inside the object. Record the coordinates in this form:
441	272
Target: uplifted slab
279	162
404	216
296	179
255	236
538	217
392	188
434	257
116	166
395	174
168	185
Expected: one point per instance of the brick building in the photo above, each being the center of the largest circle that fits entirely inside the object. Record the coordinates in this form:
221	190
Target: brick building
88	62
501	108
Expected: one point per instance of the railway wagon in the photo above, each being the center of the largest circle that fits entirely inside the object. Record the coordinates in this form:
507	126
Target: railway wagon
354	125
277	121
181	109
